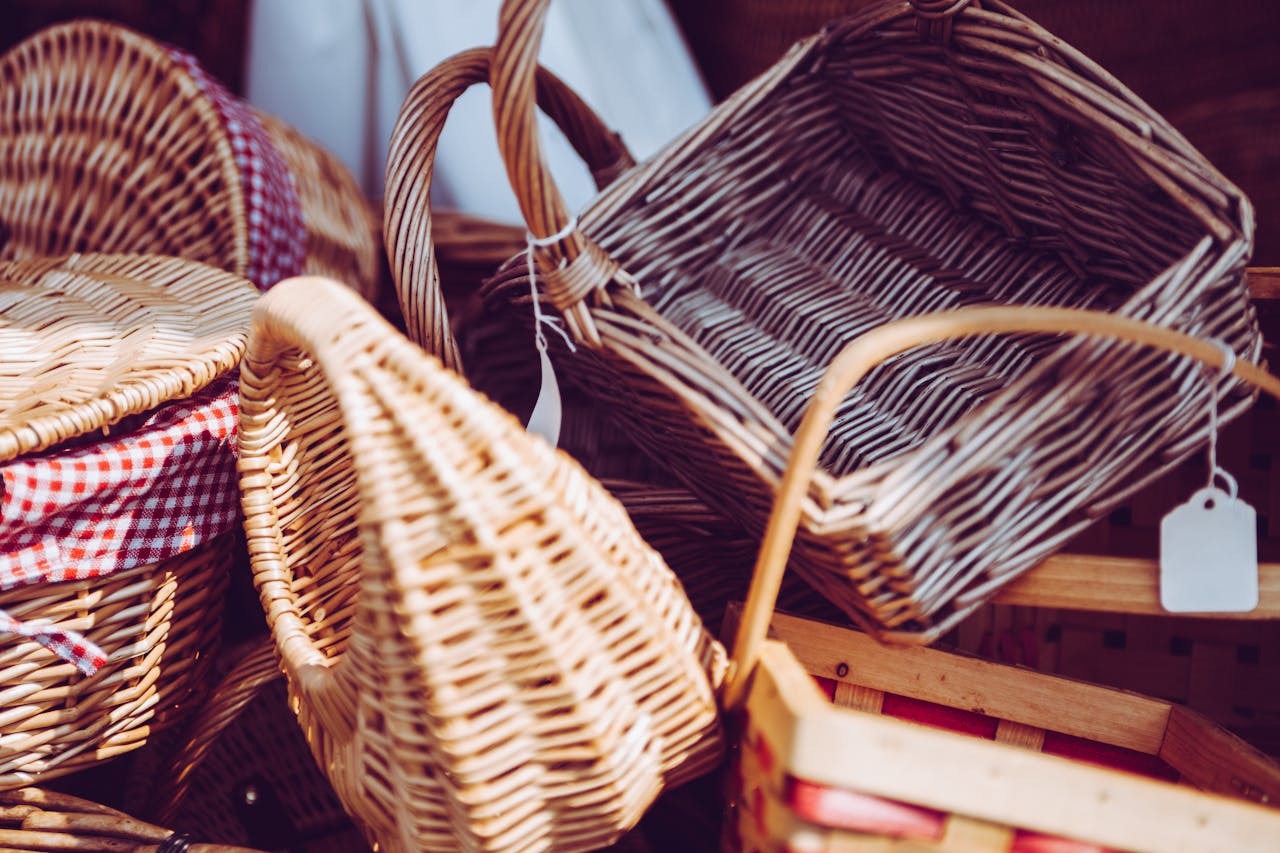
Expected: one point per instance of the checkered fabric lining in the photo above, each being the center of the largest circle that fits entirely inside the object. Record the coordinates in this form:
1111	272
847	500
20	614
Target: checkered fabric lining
277	235
154	492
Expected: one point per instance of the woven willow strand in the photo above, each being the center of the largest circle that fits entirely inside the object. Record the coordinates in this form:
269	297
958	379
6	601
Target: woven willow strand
517	668
910	158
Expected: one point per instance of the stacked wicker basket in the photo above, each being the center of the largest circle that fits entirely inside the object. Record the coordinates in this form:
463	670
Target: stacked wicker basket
119	401
928	298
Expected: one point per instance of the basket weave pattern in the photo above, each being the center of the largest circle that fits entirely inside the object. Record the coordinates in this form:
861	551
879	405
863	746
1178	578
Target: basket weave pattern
113	142
900	162
517	668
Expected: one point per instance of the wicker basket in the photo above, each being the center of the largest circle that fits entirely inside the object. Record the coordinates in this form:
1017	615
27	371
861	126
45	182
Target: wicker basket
917	157
109	561
1214	73
113	142
243	774
33	820
817	777
481	651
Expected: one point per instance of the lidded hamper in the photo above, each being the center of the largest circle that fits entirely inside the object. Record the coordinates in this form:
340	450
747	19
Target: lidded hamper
119	506
481	650
113	142
916	157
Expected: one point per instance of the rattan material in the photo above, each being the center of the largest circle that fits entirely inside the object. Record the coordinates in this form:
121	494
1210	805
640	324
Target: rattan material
342	230
970	796
483	653
242	772
107	143
407	228
90	339
158	624
899	163
32	819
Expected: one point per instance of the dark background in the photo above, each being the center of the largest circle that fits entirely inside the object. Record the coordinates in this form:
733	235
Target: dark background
1212	67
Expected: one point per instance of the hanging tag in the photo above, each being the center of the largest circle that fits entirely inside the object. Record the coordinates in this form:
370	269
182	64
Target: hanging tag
1209	555
545	420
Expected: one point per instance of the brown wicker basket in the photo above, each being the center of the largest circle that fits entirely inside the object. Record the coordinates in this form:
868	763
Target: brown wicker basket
33	820
916	157
1214	71
87	341
113	142
481	650
817	777
242	772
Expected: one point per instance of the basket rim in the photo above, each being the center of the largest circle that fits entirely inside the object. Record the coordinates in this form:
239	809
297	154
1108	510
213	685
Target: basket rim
219	309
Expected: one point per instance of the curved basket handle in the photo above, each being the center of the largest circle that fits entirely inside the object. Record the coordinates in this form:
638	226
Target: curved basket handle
284	319
406	230
854	362
570	265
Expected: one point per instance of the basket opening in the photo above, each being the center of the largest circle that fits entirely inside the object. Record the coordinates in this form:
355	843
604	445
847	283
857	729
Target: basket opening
317	502
884	178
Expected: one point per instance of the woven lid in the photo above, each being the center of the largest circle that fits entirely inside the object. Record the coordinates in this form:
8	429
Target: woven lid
89	339
112	142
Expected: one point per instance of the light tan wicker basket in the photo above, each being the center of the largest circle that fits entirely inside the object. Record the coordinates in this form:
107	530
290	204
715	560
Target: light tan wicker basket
113	142
482	651
85	342
915	157
34	820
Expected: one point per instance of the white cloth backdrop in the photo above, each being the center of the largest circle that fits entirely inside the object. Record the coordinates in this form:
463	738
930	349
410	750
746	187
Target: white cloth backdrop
339	69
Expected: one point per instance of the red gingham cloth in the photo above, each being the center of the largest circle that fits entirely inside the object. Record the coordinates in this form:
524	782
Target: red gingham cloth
145	495
169	485
277	236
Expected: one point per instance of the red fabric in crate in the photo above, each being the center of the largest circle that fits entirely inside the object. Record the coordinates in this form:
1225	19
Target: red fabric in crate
856	812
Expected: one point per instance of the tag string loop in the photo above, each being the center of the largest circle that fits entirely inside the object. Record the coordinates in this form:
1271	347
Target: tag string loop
1215	472
540	319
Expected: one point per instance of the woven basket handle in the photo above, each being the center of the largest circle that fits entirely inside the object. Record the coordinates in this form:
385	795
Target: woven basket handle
570	265
855	361
407	232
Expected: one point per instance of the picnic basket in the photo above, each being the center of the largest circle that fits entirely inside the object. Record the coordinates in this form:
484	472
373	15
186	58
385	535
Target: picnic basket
817	777
114	142
914	157
118	503
481	650
33	819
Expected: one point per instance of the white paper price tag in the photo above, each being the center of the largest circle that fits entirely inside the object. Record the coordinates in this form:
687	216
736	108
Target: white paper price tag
1209	555
545	420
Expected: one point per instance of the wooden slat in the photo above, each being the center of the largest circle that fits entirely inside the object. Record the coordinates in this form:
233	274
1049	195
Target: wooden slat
1118	585
1215	760
1264	282
991	781
1016	734
1043	701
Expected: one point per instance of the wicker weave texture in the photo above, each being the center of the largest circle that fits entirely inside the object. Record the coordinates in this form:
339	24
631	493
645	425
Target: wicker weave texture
905	161
32	819
517	668
242	772
158	624
107	143
90	339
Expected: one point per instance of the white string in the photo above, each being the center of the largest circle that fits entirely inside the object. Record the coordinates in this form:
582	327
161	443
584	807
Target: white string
539	319
1216	473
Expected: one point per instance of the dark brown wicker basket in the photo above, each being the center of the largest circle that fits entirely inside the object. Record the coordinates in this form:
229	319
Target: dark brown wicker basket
916	157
